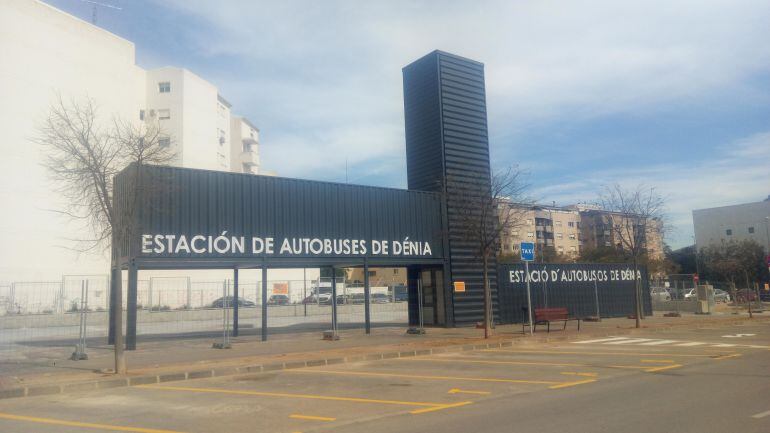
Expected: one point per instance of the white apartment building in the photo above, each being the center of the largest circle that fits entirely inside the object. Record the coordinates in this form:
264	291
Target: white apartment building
244	145
748	221
47	53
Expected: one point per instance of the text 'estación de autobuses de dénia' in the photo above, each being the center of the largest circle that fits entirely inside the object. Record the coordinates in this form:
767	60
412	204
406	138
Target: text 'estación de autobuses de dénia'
157	244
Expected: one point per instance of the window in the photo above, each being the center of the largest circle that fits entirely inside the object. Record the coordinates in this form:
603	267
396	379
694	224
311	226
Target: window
558	223
372	273
164	87
141	114
530	235
559	236
572	236
607	244
561	249
751	229
571	224
164	114
729	232
395	271
573	249
529	222
164	141
515	232
505	247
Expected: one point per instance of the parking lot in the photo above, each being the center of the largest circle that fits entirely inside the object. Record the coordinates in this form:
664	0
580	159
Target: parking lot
448	388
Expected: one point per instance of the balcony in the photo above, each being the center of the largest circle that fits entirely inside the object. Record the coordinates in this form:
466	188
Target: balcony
249	158
249	141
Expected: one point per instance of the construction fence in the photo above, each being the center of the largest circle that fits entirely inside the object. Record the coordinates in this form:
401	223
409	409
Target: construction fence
65	313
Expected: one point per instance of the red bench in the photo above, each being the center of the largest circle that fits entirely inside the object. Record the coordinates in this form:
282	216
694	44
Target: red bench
548	315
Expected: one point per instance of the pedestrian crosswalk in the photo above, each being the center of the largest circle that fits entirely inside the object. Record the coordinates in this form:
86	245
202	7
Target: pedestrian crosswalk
622	341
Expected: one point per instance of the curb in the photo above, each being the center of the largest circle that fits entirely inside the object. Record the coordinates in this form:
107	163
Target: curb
40	390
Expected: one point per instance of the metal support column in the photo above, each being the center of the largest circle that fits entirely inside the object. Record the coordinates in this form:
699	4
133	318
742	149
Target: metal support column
334	303
115	277
304	290
235	302
133	274
264	302
116	321
367	299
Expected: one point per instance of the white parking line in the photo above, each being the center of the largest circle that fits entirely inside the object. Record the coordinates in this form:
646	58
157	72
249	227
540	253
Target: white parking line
631	341
761	414
601	340
690	344
658	342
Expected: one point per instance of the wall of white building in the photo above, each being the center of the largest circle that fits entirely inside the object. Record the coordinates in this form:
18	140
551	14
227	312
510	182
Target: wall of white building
45	52
244	146
732	223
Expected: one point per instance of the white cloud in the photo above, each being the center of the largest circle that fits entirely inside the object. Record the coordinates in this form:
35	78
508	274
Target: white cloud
736	174
325	67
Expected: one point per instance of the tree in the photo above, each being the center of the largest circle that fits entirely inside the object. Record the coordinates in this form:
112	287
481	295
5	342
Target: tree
633	216
734	261
487	212
82	157
685	258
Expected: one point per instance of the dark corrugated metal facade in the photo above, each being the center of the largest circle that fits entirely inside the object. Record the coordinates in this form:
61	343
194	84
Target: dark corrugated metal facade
571	285
448	149
447	160
199	202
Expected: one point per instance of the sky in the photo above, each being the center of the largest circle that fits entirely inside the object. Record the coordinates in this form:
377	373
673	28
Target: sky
580	94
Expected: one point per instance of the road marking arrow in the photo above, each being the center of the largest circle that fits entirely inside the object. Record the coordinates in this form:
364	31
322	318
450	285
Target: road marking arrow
461	391
738	335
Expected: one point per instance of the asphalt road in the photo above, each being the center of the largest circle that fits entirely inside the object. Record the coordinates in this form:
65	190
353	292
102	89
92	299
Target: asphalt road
708	380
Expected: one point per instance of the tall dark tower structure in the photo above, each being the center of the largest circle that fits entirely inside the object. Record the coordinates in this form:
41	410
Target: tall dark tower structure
447	148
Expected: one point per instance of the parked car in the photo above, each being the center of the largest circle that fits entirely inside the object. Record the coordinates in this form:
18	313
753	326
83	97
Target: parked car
660	294
219	303
745	295
356	298
278	300
400	294
721	296
323	299
379	298
691	295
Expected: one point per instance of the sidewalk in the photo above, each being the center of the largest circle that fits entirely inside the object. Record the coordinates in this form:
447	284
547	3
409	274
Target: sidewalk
171	360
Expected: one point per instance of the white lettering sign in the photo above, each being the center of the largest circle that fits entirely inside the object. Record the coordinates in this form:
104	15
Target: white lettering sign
223	244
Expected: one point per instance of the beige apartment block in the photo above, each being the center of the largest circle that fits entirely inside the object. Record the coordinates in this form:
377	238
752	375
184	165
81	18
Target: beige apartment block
601	228
547	226
569	230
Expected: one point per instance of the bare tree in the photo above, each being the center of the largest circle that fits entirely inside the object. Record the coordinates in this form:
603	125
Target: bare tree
82	157
486	213
634	215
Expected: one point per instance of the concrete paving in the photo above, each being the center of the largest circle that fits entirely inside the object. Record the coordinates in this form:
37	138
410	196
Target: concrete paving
49	364
642	382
